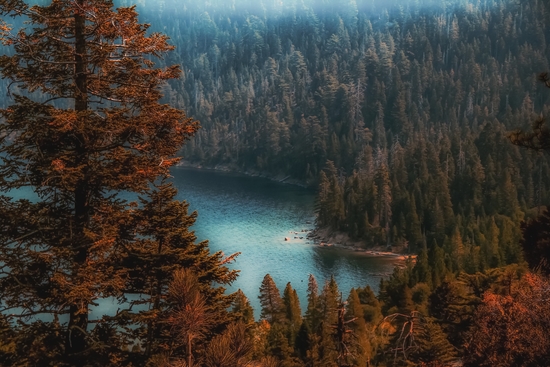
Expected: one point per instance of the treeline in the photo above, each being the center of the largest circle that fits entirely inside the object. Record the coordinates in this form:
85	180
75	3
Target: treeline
418	198
282	86
495	317
424	315
460	320
410	102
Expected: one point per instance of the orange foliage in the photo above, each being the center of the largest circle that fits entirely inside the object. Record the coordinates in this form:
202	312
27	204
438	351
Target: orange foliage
512	330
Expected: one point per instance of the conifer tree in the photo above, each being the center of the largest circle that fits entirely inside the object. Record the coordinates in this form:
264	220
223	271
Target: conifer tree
241	308
190	317
359	347
88	127
231	348
312	316
433	346
539	137
164	247
452	305
271	301
293	313
422	270
330	297
303	342
372	311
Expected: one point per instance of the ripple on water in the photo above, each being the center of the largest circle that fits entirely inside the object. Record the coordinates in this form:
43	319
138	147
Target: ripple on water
253	216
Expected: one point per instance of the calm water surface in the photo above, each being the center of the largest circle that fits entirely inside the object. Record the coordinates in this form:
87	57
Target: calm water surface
253	216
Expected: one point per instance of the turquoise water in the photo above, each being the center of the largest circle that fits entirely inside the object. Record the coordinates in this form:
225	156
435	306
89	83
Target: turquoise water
253	216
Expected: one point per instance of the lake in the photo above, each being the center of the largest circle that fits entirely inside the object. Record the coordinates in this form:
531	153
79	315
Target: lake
253	215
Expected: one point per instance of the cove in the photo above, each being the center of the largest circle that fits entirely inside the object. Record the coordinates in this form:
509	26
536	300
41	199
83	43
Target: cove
253	215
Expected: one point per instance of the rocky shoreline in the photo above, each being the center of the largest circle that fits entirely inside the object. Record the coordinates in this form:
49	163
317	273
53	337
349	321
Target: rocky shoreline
327	239
320	237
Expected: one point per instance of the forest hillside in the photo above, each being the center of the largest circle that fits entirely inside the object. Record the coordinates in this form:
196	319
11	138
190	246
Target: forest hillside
400	111
410	102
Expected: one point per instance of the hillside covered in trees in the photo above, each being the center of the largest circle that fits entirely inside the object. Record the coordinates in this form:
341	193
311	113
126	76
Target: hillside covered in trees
410	102
401	111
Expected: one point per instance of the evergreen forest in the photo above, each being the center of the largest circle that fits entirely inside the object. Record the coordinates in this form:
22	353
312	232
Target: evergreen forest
399	112
419	123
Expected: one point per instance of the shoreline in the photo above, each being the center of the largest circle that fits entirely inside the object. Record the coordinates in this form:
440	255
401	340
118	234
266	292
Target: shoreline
323	238
228	169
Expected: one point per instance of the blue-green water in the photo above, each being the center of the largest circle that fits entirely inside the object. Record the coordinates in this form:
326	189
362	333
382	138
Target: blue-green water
253	216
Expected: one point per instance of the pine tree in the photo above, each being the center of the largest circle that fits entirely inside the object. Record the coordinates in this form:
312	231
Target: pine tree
271	301
433	346
303	341
324	209
539	138
166	246
190	315
491	248
313	316
98	130
372	312
385	195
241	308
359	347
414	233
293	313
231	348
452	304
330	297
439	269
422	270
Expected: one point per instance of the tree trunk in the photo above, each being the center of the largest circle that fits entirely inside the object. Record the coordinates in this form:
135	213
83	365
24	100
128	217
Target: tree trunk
78	317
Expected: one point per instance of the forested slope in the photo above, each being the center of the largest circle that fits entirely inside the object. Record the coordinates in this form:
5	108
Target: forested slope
400	113
410	101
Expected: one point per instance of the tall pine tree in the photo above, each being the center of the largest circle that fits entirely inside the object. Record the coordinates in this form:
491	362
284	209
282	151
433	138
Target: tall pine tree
88	127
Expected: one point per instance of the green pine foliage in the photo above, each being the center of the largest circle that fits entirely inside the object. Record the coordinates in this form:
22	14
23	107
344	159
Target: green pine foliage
329	302
359	346
412	104
293	313
241	308
271	301
433	346
166	245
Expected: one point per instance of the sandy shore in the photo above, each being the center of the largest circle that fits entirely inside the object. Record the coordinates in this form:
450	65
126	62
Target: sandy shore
326	239
320	237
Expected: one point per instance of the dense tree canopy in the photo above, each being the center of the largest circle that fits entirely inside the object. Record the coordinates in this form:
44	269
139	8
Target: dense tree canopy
399	111
411	102
510	330
85	124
